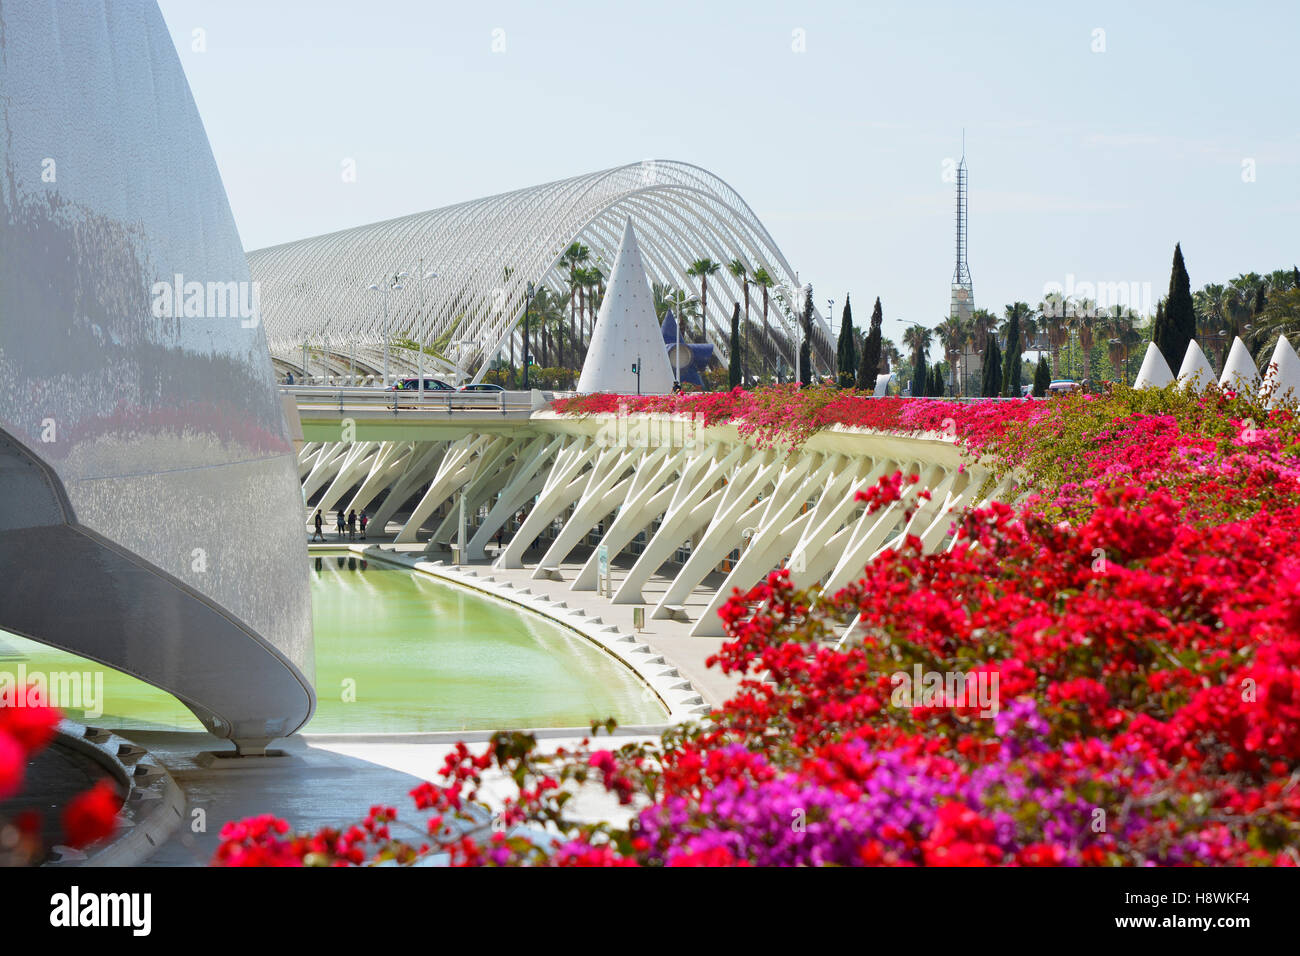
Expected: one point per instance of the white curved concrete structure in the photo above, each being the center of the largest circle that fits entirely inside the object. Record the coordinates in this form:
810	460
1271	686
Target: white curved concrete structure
486	251
663	492
149	502
1195	372
1239	370
1283	373
1154	372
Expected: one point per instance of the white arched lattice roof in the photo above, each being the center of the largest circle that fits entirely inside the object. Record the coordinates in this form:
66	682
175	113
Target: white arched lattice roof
314	291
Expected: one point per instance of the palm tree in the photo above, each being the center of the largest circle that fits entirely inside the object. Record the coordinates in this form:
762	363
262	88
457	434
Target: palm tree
596	293
572	261
740	270
763	279
952	336
702	269
917	340
889	354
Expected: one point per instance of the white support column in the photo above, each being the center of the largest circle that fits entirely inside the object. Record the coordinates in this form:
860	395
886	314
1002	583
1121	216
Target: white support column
684	516
737	511
422	465
355	463
563	486
526	480
814	555
653	482
777	533
385	468
326	466
611	481
456	468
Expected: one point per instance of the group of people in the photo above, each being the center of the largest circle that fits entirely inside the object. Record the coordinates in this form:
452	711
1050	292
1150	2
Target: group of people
345	524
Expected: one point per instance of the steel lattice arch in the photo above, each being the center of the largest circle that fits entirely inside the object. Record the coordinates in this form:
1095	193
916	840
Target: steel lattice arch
316	303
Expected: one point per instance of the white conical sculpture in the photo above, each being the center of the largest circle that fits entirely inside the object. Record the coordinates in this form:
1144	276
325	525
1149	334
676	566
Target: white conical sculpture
1154	372
627	332
1239	371
1195	372
1283	375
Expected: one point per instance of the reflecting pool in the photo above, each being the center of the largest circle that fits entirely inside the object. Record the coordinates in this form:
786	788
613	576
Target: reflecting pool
396	651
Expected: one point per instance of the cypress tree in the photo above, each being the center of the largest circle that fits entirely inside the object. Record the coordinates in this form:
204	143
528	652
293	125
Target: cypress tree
1042	377
1295	277
992	369
734	374
920	374
1011	364
869	365
1176	327
848	347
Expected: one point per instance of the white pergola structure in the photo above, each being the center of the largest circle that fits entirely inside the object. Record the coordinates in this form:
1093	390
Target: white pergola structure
315	300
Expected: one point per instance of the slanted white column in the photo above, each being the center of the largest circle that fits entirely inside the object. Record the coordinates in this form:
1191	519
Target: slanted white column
325	468
385	467
421	465
773	539
455	470
737	512
651	489
563	487
355	463
683	518
526	480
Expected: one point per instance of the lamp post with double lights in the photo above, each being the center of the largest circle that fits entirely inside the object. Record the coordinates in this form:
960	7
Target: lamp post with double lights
420	277
392	283
528	299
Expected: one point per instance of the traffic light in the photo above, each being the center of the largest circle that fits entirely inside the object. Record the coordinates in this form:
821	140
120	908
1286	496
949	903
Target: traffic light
636	368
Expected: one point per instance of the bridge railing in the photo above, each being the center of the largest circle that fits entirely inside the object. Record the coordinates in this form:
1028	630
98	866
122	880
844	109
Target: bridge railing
413	399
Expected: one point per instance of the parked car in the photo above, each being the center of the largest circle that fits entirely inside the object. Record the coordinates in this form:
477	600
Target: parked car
413	385
481	387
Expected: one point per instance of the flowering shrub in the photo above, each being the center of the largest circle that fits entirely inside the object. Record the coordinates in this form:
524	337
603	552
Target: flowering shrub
26	728
1138	617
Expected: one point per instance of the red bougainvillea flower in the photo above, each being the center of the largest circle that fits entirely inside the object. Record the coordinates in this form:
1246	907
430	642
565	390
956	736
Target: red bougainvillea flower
13	764
92	815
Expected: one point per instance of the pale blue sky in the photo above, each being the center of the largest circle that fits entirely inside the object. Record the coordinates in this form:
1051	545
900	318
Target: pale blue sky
1084	163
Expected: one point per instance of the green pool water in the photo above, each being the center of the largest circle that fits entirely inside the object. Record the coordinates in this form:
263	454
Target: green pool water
397	651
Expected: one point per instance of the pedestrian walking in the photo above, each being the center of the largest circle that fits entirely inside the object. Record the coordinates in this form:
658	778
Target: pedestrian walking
364	521
341	524
318	525
352	524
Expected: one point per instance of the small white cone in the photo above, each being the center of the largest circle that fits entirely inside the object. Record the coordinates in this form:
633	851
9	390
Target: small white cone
1195	372
627	332
1239	371
1283	374
1154	372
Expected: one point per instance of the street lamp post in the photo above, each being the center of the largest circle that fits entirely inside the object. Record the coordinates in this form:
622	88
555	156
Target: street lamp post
528	298
391	284
421	275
